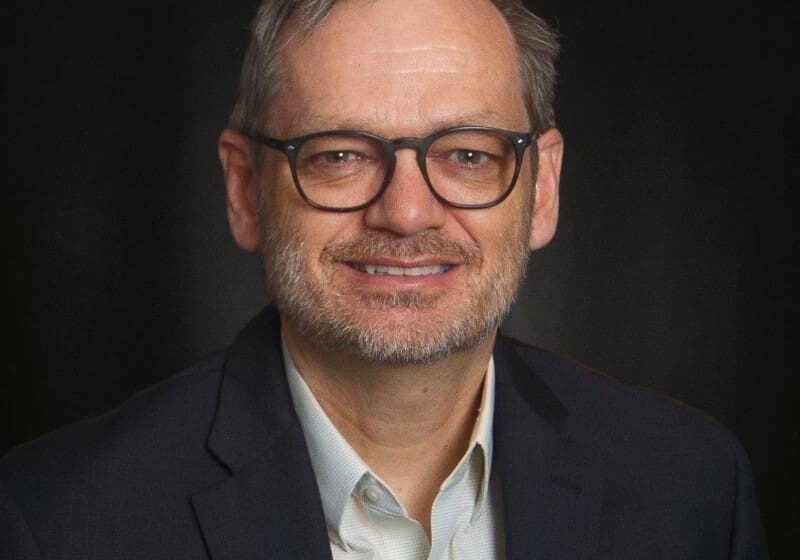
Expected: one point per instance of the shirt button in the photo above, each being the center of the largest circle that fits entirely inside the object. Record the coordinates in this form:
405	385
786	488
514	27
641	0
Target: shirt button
373	494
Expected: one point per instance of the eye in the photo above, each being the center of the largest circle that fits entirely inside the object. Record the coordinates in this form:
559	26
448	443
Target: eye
469	157
334	157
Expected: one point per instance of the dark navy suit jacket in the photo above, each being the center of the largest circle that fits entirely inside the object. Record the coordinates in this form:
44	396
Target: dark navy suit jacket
212	463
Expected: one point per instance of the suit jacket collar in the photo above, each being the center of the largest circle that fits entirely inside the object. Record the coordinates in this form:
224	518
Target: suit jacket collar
269	506
551	492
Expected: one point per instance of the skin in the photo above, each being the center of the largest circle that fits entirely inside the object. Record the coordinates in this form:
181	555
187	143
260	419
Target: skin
397	68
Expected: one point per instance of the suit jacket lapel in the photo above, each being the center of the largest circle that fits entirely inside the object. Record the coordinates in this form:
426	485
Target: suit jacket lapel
269	507
551	495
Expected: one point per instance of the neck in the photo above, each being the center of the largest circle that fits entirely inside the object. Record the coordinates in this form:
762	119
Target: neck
410	423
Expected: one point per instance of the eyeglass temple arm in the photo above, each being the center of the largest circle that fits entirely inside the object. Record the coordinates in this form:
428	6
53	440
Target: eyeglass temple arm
273	143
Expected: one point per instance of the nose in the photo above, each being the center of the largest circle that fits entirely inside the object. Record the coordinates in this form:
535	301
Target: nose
407	206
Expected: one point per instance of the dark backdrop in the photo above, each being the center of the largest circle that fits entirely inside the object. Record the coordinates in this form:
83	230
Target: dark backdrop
671	267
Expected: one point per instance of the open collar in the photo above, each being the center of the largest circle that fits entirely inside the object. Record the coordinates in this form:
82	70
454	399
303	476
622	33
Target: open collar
270	508
340	470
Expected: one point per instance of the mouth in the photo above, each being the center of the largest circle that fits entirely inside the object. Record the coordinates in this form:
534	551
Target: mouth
416	271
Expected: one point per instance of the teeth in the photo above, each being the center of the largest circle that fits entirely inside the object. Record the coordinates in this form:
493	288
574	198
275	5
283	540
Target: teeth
400	271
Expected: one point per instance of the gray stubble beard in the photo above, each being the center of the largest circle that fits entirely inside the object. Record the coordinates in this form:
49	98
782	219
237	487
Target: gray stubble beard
327	320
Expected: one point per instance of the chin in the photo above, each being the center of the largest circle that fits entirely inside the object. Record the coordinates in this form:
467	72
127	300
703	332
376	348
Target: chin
400	328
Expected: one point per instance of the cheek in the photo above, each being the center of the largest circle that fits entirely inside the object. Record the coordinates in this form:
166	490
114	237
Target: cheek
284	207
313	230
501	226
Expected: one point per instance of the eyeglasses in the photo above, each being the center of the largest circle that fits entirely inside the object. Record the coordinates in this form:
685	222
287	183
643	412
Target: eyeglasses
347	170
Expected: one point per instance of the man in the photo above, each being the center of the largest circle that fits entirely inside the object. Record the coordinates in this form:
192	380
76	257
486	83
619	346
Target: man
395	162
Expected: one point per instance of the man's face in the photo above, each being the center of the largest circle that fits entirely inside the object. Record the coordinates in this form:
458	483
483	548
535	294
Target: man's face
407	279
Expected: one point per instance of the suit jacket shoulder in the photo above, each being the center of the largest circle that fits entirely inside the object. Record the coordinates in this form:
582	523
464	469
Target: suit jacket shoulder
124	475
650	477
608	407
210	463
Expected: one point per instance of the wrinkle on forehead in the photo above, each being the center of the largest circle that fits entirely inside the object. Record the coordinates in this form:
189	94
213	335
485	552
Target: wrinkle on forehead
401	66
418	60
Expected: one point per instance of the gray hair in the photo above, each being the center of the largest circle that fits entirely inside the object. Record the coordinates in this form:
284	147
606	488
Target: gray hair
537	49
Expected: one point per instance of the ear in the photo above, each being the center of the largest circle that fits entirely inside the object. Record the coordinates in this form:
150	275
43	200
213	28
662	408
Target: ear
545	207
241	184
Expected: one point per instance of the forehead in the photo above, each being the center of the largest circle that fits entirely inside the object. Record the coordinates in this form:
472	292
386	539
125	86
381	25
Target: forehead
400	67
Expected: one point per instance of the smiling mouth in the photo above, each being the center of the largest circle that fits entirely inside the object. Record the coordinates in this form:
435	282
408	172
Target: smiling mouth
379	270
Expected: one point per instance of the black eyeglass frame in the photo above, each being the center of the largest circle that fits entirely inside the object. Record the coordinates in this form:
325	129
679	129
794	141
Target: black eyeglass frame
291	147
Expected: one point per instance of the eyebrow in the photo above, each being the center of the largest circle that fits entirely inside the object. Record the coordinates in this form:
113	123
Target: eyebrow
308	124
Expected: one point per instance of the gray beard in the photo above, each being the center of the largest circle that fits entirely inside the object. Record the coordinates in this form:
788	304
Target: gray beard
327	320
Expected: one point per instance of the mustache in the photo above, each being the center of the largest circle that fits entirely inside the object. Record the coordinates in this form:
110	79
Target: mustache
428	243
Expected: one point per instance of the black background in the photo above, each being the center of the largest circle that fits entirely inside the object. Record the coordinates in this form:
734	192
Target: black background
671	267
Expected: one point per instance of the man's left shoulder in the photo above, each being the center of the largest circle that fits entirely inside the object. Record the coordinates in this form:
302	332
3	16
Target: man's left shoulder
672	482
638	421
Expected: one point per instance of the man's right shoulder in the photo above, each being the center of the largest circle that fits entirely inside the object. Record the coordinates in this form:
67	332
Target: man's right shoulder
159	425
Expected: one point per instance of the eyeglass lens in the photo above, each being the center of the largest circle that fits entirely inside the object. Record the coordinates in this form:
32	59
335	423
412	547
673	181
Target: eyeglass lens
340	170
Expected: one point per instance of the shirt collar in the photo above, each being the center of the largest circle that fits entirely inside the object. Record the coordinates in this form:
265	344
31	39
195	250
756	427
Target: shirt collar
338	468
481	438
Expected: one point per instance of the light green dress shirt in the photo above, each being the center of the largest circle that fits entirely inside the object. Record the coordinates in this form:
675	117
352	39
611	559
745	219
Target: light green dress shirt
365	519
